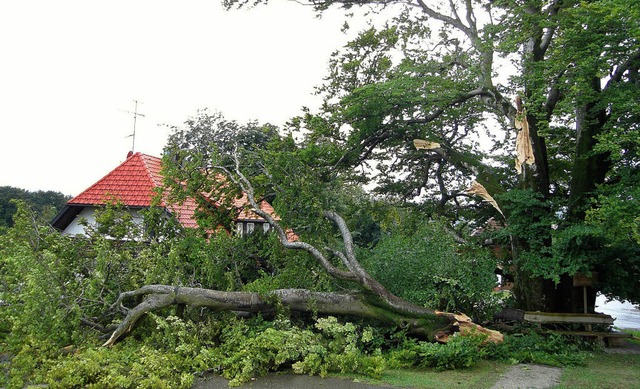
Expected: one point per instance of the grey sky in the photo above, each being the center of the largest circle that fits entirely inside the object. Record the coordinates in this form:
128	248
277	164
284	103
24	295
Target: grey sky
70	69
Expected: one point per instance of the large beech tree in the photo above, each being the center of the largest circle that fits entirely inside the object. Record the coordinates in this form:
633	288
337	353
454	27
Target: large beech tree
553	84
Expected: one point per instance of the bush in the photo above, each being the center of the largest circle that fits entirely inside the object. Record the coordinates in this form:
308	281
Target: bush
553	350
428	268
328	347
459	352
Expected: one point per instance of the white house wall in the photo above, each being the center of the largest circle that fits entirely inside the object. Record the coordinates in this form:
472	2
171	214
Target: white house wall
88	214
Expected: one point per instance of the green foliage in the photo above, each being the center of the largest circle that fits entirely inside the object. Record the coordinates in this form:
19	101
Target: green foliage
578	248
604	243
208	133
177	349
115	222
280	269
251	349
458	353
466	351
196	155
129	365
254	262
530	217
39	280
553	350
529	228
51	283
305	185
617	211
425	266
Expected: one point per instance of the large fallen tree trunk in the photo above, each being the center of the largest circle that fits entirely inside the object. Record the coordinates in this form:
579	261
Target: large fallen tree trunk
371	301
419	321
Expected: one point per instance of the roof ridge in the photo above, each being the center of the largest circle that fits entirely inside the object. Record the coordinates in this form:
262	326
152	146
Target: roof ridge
151	174
155	177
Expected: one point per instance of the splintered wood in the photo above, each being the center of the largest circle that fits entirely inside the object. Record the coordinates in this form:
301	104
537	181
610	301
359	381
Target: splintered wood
524	150
421	144
467	327
476	188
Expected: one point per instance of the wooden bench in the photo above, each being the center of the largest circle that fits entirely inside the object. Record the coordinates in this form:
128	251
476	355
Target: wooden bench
586	319
612	339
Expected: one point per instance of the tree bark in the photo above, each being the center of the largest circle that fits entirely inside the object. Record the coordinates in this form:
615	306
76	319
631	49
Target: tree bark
589	168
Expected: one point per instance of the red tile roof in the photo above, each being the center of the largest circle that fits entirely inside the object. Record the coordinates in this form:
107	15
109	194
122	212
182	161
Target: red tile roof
247	214
132	184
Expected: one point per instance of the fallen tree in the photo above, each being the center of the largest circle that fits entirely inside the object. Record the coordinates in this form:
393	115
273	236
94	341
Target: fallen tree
371	301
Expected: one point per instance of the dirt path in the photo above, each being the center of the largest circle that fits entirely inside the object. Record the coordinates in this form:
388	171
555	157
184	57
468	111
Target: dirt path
529	376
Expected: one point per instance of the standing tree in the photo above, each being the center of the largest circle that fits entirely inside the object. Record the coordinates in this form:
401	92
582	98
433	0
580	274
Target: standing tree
45	203
553	84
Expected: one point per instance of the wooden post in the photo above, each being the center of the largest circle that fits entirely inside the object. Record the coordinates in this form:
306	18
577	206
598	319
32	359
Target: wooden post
585	281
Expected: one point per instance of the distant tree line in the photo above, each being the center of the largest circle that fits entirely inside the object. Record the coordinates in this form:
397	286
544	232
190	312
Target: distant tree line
44	203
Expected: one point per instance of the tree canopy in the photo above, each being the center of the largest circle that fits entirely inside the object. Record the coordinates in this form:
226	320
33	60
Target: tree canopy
45	203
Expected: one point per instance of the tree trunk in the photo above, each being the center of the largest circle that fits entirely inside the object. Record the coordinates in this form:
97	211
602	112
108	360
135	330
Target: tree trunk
589	168
534	293
419	321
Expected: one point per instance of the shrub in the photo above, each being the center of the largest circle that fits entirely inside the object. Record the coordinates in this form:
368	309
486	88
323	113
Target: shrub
459	352
553	350
426	267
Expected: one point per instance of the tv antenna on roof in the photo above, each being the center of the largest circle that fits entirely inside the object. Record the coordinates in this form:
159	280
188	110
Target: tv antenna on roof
135	114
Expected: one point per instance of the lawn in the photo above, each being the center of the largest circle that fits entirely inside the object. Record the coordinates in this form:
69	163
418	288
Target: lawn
603	370
482	376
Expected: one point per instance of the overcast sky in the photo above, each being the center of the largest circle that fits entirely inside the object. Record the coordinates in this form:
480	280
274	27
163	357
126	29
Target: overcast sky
70	71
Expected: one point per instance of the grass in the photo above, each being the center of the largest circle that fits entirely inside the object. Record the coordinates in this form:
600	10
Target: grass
604	371
635	334
481	376
609	371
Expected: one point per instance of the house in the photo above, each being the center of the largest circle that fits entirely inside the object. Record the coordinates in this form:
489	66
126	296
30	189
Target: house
133	184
